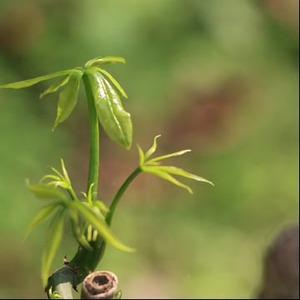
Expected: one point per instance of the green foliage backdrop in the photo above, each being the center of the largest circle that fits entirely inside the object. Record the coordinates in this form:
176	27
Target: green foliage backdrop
219	77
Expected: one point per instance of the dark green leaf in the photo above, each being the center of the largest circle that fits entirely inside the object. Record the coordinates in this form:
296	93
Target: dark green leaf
54	87
44	213
68	99
114	119
54	236
46	191
30	82
100	225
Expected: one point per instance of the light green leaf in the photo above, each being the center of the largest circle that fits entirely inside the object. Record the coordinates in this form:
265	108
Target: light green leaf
142	155
54	87
50	177
58	173
168	156
100	205
101	226
81	239
30	82
166	176
68	99
44	191
66	176
113	80
54	236
43	214
61	184
100	61
153	148
115	121
180	172
89	194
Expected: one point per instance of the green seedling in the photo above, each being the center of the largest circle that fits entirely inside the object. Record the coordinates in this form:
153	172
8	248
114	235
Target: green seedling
90	219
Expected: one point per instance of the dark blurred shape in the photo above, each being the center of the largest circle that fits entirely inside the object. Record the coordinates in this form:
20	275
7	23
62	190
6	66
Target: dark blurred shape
206	119
20	26
281	269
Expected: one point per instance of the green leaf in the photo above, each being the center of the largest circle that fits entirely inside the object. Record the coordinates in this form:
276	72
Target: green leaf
43	214
81	239
58	173
153	148
50	177
100	61
54	87
100	205
66	176
168	156
166	176
46	191
30	82
113	80
61	184
115	121
100	225
89	194
54	236
180	172
142	155
68	99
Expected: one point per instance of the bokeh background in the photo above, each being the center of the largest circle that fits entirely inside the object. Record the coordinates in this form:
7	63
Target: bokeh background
218	77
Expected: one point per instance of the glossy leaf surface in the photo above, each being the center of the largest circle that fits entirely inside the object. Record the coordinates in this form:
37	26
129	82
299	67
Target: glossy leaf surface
68	98
33	81
115	121
113	80
55	232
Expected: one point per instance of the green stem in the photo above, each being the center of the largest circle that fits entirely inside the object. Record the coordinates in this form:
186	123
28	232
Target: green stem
119	194
94	139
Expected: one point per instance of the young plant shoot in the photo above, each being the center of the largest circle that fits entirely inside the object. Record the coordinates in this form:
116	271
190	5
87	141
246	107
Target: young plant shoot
90	219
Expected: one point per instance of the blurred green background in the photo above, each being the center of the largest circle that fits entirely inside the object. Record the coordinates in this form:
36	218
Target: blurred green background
218	77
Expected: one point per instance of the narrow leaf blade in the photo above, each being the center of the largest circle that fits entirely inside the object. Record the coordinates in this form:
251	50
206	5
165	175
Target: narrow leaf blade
68	99
166	176
152	148
180	172
100	225
54	236
56	86
43	215
141	155
100	61
115	121
81	239
169	155
33	81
